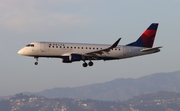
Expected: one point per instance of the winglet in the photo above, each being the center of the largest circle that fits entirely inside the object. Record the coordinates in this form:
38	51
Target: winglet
116	43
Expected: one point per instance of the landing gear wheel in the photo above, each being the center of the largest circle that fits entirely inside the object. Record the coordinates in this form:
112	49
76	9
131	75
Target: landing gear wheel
90	63
36	63
84	64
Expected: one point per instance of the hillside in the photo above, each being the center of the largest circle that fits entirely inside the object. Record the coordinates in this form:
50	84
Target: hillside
159	101
119	89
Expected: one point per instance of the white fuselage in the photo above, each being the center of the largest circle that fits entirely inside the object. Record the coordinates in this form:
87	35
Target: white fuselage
59	50
71	52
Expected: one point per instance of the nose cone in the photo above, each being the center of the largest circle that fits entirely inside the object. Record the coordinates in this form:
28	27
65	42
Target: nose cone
20	52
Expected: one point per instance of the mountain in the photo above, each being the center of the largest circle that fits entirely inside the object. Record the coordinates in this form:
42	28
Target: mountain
119	89
2	97
159	101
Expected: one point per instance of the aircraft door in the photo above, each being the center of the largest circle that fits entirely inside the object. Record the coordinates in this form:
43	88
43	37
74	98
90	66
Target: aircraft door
43	47
124	51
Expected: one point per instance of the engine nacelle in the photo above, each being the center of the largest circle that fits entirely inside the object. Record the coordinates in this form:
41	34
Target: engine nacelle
72	58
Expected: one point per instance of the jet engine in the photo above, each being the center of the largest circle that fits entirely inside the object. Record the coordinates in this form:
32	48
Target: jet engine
72	58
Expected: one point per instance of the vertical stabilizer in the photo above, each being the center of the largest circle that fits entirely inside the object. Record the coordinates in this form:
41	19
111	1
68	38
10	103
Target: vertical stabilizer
147	38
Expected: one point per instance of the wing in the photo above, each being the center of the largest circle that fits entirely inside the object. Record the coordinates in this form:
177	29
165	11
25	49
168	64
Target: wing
95	54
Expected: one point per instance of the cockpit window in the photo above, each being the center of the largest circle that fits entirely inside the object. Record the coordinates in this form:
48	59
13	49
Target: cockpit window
30	45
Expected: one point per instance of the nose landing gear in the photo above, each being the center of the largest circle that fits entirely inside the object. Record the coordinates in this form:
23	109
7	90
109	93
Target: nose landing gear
36	63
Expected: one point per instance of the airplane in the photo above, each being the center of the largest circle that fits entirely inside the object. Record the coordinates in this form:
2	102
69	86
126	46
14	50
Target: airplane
72	52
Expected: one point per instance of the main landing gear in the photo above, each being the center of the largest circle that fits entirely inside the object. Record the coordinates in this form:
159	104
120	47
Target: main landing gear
89	64
36	63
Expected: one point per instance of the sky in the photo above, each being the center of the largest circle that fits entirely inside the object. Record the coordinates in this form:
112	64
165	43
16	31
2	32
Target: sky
83	21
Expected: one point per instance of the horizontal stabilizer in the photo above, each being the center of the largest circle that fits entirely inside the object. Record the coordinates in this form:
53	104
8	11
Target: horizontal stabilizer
151	49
